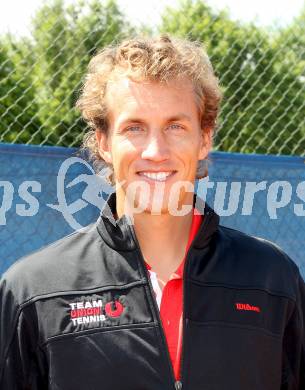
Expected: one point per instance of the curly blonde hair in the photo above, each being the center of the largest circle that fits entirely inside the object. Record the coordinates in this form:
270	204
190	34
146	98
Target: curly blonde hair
162	59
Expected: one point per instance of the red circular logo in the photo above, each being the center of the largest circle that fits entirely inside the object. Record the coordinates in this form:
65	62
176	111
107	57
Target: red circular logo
114	308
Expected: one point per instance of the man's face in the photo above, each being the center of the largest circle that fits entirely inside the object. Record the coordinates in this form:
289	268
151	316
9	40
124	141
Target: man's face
153	129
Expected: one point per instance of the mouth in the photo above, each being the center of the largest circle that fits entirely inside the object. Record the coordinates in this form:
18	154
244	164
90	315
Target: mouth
152	177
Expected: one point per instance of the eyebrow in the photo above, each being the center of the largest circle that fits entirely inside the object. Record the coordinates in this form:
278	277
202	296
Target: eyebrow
177	117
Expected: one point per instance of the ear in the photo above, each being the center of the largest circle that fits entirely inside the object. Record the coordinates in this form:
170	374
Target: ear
103	146
206	141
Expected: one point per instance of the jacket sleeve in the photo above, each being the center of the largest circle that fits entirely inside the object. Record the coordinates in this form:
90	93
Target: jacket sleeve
20	368
293	376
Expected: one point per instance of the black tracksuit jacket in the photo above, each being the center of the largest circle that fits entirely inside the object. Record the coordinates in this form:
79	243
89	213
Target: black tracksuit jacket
81	314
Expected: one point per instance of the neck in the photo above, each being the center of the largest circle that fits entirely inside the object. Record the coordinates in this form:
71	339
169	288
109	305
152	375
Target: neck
162	238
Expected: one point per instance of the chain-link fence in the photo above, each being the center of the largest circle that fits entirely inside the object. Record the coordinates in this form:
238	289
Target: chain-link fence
261	71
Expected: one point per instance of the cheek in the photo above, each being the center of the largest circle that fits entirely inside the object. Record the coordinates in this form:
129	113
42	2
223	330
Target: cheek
187	148
123	154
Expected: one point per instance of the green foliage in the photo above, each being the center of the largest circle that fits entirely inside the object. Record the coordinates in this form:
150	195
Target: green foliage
261	73
17	97
263	106
63	40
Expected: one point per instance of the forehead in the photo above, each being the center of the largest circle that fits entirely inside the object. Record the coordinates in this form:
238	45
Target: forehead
149	97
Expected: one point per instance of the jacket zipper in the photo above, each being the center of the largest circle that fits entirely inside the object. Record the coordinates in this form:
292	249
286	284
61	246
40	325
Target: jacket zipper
203	227
172	374
177	383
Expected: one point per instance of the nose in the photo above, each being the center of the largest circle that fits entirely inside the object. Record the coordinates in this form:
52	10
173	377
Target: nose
156	148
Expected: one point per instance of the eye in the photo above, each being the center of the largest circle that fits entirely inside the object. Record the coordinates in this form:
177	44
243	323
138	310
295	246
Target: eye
176	126
134	129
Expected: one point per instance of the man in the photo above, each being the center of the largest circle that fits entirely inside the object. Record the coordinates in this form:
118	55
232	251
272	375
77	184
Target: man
156	294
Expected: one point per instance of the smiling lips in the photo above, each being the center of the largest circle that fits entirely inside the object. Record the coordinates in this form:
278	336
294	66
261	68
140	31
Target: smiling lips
157	176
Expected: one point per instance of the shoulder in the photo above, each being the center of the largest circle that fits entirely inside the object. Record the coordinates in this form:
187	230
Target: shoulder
258	262
52	268
249	243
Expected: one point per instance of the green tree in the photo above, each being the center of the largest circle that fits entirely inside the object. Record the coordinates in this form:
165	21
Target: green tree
249	63
292	90
261	73
17	97
65	37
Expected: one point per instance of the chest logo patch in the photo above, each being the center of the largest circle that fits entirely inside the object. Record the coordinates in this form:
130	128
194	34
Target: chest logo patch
85	312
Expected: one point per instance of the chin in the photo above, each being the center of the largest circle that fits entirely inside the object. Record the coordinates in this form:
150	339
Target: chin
163	206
